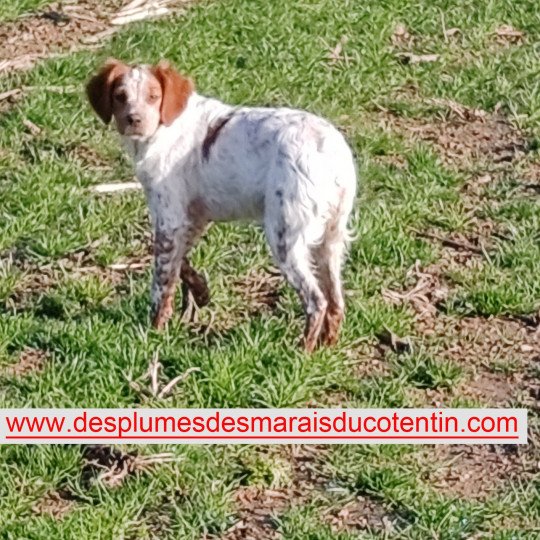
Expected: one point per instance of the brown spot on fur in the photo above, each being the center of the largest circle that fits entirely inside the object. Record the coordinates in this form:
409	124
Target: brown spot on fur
331	326
212	135
99	88
164	311
313	328
176	91
196	283
197	210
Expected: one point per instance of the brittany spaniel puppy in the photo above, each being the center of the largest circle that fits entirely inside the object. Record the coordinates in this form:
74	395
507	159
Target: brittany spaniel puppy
200	160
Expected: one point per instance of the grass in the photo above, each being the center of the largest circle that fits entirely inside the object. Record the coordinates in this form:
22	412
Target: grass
12	9
94	324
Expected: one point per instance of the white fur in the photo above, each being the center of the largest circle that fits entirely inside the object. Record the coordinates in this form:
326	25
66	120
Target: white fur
287	169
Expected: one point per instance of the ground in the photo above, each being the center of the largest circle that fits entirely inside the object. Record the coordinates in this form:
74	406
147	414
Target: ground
440	101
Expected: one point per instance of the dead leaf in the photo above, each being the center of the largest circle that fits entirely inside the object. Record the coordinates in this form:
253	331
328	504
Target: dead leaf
484	179
30	361
335	54
9	93
55	503
507	33
452	32
34	130
401	36
397	344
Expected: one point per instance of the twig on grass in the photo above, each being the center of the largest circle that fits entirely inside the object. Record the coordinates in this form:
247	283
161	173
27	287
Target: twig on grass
34	130
9	93
128	266
137	12
118	186
465	113
153	373
56	89
168	387
98	38
449	242
411	58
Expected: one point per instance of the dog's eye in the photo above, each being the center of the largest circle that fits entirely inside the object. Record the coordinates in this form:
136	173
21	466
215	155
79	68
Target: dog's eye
153	97
120	97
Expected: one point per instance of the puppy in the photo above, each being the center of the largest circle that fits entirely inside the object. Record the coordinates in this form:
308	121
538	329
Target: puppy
200	160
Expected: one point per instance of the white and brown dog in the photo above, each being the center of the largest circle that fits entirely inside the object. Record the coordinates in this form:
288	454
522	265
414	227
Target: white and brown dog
200	160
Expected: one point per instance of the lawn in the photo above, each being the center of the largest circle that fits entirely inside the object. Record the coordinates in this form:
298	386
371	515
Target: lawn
440	101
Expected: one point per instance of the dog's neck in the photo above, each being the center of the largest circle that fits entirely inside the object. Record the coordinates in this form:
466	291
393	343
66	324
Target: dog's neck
170	143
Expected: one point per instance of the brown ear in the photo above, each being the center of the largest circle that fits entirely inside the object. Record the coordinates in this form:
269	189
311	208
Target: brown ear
99	88
176	90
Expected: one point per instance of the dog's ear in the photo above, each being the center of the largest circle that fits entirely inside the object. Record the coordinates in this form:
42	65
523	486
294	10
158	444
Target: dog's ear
99	88
176	90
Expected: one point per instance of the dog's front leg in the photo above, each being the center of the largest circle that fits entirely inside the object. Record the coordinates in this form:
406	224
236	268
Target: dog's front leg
169	250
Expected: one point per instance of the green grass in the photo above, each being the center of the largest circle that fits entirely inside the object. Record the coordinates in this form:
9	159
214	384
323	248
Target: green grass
94	326
11	9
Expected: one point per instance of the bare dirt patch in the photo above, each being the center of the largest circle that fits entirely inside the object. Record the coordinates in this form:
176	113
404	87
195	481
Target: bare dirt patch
58	27
30	361
258	507
256	510
34	282
65	27
361	513
489	341
474	471
366	360
496	352
464	135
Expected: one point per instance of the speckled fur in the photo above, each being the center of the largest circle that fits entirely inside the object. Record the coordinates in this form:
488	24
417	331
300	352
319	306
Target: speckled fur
287	169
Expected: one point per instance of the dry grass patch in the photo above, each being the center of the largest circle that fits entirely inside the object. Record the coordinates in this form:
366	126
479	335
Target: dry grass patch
259	289
472	471
30	361
57	28
361	513
111	466
258	509
55	504
497	353
461	140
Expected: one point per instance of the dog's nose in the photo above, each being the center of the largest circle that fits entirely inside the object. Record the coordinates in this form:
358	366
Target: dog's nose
134	119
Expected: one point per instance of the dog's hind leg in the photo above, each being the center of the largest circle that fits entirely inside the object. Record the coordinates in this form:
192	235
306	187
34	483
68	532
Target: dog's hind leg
194	283
328	259
292	255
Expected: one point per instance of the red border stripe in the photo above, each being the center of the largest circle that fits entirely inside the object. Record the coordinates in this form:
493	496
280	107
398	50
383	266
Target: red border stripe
265	437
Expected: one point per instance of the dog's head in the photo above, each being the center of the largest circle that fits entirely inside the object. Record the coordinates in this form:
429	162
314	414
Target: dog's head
140	98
